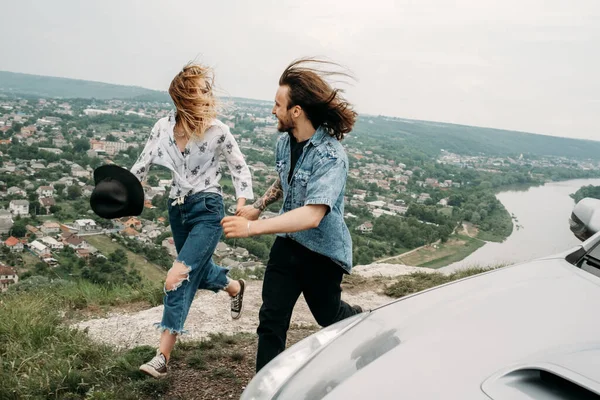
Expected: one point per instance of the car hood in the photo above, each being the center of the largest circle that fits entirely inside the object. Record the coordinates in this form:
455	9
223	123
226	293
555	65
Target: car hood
448	341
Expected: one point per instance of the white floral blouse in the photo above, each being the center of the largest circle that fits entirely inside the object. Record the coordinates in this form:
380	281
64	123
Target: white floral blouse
197	169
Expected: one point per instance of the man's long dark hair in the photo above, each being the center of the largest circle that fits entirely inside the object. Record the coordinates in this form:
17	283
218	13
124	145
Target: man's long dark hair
323	105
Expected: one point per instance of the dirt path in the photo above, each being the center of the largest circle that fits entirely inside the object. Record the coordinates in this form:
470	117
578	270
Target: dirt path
209	314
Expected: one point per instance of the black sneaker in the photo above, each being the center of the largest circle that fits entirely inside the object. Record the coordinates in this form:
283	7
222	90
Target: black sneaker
358	309
237	301
157	367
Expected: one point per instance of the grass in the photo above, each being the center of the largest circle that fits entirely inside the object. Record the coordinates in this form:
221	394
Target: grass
29	260
458	253
455	249
418	281
148	270
78	295
490	237
42	358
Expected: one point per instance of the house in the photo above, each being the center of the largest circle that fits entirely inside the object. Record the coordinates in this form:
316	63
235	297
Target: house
376	204
66	180
133	223
8	276
6	221
16	191
79	172
240	252
129	231
74	241
378	212
39	249
86	226
222	250
32	230
52	243
45	191
87	190
153	234
19	207
14	244
400	209
47	202
228	262
366	227
82	253
423	197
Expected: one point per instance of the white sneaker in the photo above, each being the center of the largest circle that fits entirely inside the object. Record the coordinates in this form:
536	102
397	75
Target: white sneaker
157	367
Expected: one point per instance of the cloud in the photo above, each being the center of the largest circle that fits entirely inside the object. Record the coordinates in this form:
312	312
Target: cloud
518	64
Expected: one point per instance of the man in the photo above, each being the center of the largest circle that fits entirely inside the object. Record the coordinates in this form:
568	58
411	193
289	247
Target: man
313	248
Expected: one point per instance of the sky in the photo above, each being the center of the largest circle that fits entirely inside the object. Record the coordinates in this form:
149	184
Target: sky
527	65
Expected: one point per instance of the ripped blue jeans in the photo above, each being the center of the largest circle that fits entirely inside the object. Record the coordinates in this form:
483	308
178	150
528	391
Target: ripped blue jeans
196	228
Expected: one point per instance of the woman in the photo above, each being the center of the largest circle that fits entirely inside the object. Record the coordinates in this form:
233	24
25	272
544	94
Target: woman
189	143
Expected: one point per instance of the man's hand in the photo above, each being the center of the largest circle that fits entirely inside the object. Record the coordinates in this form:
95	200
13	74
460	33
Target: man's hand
249	212
236	227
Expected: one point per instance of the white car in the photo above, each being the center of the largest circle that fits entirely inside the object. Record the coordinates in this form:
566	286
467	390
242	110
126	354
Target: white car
527	331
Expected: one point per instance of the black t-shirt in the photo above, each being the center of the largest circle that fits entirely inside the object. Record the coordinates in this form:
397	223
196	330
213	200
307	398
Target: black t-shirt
295	152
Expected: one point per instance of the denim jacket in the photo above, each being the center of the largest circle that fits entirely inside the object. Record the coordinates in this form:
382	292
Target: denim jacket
319	177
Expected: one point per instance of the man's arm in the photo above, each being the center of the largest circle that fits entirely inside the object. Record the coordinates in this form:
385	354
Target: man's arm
273	193
298	219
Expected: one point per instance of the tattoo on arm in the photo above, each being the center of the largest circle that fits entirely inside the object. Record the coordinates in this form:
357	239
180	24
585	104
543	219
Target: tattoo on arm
274	193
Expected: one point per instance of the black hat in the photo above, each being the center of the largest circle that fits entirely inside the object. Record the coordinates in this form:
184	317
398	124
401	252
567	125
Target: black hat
118	193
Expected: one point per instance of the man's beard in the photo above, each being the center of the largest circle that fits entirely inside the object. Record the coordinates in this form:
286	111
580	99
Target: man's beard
281	127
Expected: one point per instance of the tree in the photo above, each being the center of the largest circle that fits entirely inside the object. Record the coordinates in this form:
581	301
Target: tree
59	188
19	230
81	145
74	192
36	208
152	180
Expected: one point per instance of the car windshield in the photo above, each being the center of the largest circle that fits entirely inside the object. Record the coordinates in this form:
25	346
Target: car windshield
591	261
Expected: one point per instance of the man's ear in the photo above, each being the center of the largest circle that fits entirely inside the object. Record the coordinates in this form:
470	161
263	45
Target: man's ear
296	111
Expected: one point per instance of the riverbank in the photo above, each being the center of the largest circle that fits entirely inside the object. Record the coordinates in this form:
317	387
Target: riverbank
537	216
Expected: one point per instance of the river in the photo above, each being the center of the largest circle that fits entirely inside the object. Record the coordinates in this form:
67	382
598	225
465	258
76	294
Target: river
541	227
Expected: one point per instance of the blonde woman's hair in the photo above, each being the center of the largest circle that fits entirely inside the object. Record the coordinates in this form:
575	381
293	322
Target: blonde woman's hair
194	100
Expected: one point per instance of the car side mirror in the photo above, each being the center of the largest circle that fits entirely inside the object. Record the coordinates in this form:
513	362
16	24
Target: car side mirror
585	218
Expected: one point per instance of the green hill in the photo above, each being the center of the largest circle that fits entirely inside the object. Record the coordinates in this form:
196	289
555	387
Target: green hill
384	134
48	86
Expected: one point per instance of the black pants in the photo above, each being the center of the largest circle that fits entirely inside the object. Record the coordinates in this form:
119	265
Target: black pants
293	269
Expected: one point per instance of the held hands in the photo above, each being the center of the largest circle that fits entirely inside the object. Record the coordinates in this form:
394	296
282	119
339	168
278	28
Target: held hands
249	212
236	227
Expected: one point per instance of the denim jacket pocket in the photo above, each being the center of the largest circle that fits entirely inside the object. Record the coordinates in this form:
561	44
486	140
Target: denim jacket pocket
300	184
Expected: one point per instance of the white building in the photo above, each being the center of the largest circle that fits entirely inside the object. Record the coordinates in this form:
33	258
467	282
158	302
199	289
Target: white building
367	227
45	191
52	243
86	225
8	276
39	248
19	207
